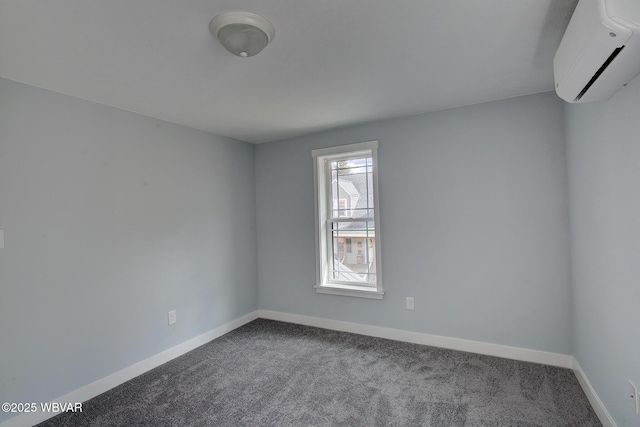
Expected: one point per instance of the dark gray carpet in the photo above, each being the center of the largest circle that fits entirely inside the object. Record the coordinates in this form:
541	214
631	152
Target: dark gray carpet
270	373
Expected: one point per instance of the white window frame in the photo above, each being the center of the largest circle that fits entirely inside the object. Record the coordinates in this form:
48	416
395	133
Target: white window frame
322	183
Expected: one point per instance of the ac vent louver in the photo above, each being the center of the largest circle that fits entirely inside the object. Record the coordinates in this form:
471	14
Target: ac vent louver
598	73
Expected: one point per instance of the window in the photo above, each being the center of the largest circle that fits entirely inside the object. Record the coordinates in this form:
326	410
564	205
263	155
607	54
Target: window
347	216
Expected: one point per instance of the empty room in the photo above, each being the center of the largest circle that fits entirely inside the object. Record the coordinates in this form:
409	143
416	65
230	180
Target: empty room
297	213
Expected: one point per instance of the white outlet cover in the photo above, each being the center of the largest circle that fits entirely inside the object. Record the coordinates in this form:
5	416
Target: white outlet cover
633	396
410	305
172	317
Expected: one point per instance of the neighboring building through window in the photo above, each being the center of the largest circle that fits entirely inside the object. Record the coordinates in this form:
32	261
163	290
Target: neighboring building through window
347	220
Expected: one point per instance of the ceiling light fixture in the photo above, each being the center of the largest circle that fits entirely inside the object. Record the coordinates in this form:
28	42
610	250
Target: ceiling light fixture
242	33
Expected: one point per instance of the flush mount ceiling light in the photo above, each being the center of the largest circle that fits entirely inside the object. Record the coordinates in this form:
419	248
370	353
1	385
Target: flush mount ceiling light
242	33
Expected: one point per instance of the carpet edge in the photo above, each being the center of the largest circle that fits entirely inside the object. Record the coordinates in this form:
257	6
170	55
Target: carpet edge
478	347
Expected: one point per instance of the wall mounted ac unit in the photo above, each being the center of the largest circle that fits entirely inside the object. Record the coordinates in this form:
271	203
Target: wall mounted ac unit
600	50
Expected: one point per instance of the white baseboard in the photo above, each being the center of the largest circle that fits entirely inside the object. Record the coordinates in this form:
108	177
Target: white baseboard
598	406
100	386
504	351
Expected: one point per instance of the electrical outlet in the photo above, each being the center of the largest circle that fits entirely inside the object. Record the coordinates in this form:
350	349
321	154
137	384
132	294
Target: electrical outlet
172	317
633	397
409	303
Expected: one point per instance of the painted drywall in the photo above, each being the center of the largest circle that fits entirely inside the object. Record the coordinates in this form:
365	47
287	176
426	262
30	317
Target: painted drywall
111	219
474	218
603	154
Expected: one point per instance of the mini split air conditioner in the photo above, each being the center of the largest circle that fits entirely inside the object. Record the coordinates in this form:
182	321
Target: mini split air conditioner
600	50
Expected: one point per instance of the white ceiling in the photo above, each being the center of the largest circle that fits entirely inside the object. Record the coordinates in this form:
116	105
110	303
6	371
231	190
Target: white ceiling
332	63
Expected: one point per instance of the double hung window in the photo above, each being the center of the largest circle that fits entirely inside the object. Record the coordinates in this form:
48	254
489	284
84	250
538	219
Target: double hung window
347	220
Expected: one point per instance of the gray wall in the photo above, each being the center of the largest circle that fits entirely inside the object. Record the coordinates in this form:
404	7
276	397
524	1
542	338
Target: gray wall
474	218
603	152
112	219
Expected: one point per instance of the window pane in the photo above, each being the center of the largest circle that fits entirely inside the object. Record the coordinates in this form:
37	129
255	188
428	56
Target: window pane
352	188
353	252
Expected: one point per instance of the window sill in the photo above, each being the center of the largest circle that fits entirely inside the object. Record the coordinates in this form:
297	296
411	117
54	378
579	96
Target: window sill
349	291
